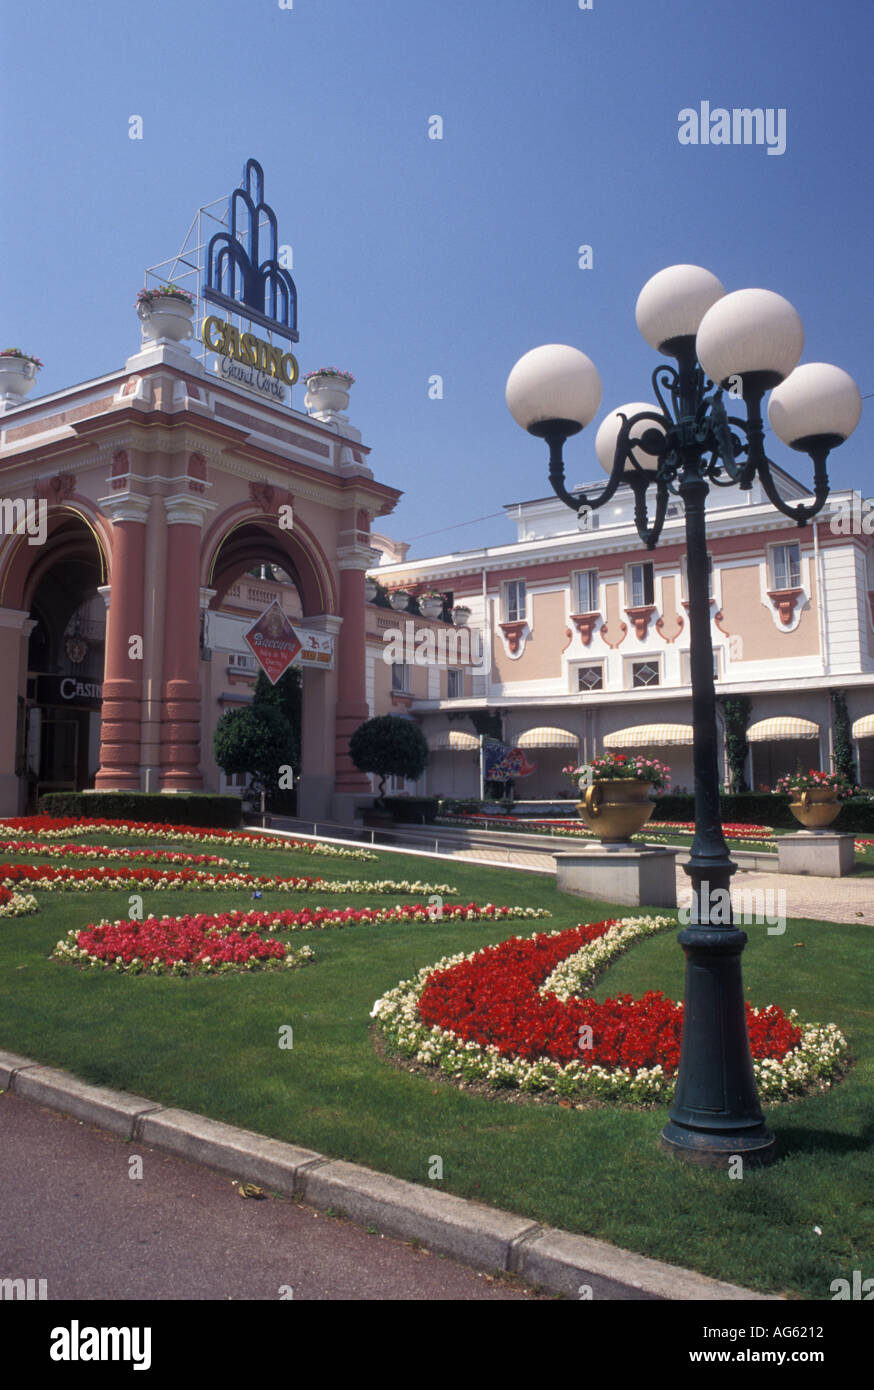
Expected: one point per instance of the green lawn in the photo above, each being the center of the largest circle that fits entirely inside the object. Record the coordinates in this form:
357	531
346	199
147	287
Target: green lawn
211	1045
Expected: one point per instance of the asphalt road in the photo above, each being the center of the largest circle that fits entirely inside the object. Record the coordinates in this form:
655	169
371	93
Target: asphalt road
72	1214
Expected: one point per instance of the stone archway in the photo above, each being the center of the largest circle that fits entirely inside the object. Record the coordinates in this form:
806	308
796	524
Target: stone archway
251	537
50	696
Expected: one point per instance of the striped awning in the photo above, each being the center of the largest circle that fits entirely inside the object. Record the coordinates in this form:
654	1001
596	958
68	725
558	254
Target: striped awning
453	741
651	736
773	730
547	738
864	727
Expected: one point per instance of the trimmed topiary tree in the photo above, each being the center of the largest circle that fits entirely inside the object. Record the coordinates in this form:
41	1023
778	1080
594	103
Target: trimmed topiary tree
258	741
389	746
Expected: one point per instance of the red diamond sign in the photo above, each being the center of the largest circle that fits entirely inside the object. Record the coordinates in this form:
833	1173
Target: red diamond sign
274	642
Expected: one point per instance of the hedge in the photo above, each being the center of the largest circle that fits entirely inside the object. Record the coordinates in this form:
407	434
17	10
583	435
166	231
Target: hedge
412	808
764	808
180	808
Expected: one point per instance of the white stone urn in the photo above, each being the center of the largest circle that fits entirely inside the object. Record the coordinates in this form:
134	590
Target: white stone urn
461	616
431	607
327	394
371	588
165	316
399	600
17	377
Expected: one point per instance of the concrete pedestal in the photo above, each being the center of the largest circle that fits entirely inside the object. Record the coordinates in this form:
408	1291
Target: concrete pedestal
631	875
826	853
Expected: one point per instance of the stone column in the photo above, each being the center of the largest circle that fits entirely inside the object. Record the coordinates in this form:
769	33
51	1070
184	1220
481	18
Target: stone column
315	789
180	691
125	659
351	787
15	628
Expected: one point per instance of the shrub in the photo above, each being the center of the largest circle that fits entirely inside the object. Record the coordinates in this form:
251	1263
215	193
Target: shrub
182	808
389	747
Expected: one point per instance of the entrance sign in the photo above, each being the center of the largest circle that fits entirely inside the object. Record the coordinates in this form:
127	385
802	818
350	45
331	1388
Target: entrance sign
274	642
317	649
278	644
249	360
243	281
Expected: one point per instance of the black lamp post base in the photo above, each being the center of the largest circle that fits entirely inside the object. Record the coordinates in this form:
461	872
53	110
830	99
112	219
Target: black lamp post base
757	1147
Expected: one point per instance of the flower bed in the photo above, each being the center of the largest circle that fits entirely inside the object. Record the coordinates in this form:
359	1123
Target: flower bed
63	879
176	946
57	827
231	940
511	1016
17	904
52	850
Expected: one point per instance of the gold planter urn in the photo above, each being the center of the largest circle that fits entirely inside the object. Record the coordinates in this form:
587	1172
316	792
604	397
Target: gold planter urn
816	807
616	808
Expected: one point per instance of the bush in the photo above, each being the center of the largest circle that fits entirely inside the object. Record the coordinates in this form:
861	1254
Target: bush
180	808
389	747
764	808
412	808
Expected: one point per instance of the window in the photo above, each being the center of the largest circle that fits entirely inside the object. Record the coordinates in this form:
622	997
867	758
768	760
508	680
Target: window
400	677
514	601
686	667
641	584
586	595
590	677
786	566
644	673
455	685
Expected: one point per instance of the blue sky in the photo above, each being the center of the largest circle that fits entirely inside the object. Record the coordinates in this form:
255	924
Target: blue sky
415	257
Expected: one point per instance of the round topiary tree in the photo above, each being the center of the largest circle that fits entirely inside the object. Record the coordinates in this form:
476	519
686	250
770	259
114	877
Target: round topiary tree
258	741
389	747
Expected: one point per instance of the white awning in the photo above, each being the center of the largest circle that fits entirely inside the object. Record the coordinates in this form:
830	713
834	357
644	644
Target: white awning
864	727
651	736
774	730
453	741
547	738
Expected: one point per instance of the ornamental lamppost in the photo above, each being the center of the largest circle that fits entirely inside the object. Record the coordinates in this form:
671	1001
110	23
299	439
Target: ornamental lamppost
747	343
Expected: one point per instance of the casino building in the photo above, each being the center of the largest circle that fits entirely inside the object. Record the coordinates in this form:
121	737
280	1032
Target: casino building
137	508
584	641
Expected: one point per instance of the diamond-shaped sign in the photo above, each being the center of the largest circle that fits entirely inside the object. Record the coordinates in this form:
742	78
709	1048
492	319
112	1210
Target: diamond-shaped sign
274	642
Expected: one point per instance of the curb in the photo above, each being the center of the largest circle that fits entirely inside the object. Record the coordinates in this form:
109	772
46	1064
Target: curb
468	1231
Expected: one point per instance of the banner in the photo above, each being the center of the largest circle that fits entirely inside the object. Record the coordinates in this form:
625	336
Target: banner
501	763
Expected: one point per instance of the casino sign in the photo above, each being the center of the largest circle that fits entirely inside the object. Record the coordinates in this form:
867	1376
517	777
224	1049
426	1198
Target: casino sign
249	360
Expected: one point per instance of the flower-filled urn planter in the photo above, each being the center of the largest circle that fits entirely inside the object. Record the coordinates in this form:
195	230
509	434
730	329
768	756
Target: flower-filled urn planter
430	605
816	809
616	786
327	392
371	589
399	600
166	313
616	810
461	615
17	375
815	796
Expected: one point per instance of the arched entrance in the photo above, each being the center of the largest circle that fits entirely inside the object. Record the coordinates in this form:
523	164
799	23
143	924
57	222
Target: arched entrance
55	677
252	562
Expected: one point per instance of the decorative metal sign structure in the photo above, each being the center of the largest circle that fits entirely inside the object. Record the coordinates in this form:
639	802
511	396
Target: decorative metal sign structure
231	258
240	280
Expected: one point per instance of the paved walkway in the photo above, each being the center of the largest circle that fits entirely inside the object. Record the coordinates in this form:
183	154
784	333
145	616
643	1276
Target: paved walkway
825	899
181	1231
